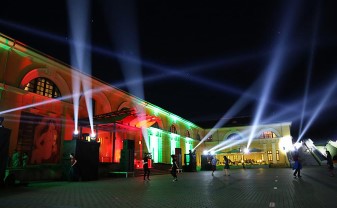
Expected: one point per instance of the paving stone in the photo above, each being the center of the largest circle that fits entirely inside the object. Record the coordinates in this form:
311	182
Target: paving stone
243	188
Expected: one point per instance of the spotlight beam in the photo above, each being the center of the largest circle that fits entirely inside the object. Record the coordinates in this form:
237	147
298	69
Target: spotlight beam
291	116
78	11
320	106
180	73
231	142
240	104
151	65
273	68
121	15
309	69
289	113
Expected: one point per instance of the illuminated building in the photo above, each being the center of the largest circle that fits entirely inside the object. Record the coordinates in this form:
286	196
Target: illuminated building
36	100
36	90
270	145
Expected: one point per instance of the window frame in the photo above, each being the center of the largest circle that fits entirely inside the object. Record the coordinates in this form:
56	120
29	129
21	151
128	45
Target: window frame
44	87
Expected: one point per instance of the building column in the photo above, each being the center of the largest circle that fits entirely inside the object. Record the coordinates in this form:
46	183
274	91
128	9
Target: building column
265	155
273	146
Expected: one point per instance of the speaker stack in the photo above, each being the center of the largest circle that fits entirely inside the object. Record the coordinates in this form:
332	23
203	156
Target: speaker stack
206	162
87	154
127	155
4	146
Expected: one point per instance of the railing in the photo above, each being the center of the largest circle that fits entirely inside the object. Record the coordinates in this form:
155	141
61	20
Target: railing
314	155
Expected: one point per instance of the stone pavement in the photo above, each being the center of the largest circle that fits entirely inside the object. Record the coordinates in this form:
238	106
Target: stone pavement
270	187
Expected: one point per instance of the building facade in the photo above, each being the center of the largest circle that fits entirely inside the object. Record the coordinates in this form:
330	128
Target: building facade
37	103
268	146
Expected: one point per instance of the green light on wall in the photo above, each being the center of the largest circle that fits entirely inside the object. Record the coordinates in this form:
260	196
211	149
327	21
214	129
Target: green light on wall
155	144
175	142
160	149
154	131
187	139
156	111
188	147
6	47
173	146
154	148
174	136
174	118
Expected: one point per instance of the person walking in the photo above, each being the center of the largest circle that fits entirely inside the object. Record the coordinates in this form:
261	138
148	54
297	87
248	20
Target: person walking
297	165
16	159
174	168
24	159
146	167
73	173
330	163
226	166
213	163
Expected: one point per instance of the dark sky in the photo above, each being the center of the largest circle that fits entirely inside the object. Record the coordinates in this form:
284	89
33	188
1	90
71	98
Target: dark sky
217	51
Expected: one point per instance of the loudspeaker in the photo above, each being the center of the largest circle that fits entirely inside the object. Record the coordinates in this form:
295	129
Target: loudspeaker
87	155
128	144
127	160
4	146
206	162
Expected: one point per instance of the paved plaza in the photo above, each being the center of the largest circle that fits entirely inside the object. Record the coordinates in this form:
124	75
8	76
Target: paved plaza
269	187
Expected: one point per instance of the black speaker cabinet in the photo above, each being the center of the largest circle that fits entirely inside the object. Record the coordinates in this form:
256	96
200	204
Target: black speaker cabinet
4	146
127	160
128	144
206	162
87	154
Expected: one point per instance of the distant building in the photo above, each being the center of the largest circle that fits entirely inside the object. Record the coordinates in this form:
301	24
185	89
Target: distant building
269	144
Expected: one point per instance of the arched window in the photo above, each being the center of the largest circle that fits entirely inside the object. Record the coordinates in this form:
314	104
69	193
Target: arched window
43	86
268	135
234	137
270	155
188	134
155	125
173	129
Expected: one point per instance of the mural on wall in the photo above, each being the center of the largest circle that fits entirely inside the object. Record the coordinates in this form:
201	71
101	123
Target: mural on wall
46	142
44	133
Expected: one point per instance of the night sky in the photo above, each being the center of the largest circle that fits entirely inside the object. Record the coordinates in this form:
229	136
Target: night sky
206	54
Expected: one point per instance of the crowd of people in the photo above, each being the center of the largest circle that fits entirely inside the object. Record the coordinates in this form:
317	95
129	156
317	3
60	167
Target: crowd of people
18	159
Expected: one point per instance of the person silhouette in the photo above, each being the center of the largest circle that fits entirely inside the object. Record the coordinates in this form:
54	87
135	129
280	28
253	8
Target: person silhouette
329	163
213	163
24	159
226	165
297	165
174	168
15	159
146	167
73	173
